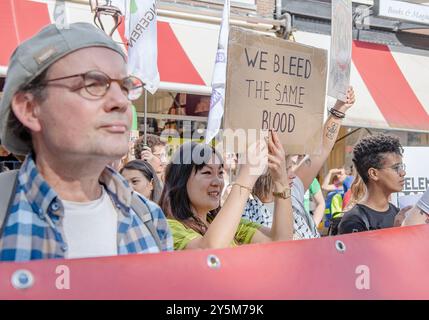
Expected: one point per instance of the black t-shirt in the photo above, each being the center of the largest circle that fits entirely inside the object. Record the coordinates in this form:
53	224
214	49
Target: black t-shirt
354	221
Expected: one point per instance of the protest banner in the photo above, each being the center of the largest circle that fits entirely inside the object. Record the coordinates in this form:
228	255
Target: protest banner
275	84
416	179
361	265
341	49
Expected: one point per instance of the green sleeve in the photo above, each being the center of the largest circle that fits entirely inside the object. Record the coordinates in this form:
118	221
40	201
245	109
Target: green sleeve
246	230
314	187
181	234
307	201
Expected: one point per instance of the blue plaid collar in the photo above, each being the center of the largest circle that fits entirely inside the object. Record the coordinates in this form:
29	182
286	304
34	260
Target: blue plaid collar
44	200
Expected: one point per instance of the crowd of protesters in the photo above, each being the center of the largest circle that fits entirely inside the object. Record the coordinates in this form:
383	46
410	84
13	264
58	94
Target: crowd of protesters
68	202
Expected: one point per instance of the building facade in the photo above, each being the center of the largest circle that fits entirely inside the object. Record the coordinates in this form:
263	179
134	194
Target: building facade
389	72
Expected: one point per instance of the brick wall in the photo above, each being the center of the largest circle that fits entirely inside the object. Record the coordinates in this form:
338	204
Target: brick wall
266	8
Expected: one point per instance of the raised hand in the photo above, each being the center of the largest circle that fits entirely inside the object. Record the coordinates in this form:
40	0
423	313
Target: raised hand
277	159
147	154
255	164
350	100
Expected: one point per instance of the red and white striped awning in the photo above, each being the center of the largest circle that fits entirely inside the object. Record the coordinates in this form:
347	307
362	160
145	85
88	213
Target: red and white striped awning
186	49
391	83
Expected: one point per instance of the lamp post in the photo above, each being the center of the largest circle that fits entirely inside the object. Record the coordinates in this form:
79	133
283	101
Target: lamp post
107	9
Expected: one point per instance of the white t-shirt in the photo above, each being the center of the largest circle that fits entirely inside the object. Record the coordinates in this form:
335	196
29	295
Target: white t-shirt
91	228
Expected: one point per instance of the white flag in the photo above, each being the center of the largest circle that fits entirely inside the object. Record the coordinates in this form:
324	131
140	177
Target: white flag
60	14
140	30
217	100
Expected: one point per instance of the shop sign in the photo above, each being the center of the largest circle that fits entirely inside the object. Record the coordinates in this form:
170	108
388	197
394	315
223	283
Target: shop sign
401	10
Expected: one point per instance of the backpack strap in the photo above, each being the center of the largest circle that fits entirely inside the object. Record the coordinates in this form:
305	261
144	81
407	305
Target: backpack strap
142	210
8	181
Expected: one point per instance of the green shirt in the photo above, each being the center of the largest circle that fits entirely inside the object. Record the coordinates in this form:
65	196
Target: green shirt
182	235
312	190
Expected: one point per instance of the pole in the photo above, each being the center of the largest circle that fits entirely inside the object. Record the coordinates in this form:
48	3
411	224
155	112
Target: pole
145	118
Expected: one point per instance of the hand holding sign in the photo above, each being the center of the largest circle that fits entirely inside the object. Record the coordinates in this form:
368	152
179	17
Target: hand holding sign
350	100
255	164
277	159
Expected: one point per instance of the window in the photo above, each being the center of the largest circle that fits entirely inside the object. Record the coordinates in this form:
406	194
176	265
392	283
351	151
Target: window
184	115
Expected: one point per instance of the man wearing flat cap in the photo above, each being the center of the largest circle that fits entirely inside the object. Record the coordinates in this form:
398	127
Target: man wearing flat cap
66	107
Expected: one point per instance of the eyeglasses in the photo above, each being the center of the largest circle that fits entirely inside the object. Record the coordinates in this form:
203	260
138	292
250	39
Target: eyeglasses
161	156
397	167
96	83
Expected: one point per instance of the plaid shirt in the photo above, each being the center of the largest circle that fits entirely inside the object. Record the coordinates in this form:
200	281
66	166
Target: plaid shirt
34	226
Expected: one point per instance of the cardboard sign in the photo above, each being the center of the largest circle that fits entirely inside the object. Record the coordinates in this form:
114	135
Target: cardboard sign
341	49
276	84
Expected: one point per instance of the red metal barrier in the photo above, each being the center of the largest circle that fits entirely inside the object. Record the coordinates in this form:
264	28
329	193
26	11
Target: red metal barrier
385	264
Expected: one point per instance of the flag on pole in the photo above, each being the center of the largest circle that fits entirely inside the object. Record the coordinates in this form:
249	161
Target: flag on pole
217	100
141	32
60	14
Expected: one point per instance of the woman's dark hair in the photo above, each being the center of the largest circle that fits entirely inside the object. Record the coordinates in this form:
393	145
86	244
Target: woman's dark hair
370	151
190	158
149	173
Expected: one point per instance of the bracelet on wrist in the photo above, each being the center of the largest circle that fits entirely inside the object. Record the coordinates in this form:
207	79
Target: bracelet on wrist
284	194
336	113
242	186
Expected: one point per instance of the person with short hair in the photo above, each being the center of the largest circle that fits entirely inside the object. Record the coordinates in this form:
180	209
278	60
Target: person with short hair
66	106
154	152
378	161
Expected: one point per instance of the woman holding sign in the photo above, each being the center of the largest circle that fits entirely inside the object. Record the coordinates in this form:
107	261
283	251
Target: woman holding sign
192	193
